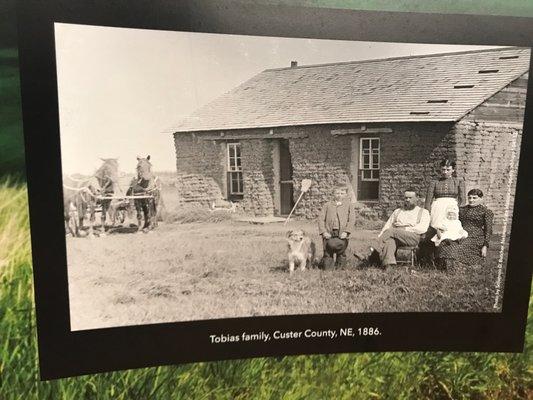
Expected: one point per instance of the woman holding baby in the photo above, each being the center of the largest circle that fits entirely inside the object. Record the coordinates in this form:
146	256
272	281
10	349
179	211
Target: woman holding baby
446	191
444	194
458	233
476	219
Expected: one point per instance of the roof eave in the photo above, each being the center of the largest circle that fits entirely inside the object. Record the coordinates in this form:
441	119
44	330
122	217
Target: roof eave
235	128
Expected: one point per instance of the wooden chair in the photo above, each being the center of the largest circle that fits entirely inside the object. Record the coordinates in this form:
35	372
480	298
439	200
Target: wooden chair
407	255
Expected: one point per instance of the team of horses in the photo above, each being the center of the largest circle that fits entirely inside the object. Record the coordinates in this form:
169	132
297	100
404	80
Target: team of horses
83	196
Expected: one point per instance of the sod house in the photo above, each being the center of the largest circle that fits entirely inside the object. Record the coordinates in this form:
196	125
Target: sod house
378	126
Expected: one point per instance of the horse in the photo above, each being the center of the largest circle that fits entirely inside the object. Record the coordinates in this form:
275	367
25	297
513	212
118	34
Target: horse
107	177
146	183
80	196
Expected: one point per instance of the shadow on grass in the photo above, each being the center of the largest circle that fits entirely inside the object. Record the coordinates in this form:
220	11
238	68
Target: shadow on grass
122	230
282	266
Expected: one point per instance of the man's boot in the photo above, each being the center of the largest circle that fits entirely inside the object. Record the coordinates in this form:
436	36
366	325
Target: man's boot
327	262
341	261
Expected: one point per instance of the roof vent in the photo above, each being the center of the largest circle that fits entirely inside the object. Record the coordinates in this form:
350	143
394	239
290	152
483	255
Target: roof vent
488	71
437	101
463	86
294	64
419	112
507	57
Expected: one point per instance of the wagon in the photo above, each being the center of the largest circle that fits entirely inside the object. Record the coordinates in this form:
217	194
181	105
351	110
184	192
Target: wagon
122	204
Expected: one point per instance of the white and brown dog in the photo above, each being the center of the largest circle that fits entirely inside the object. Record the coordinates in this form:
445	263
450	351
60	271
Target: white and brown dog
301	249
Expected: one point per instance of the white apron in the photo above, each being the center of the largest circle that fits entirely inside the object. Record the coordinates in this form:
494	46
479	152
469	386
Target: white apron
438	209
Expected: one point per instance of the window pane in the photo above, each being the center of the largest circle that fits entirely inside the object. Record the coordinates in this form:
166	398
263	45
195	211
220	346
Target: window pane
234	186
241	183
369	155
234	158
236	183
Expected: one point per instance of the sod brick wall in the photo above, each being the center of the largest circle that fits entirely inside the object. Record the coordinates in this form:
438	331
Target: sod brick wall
488	148
200	170
323	159
410	158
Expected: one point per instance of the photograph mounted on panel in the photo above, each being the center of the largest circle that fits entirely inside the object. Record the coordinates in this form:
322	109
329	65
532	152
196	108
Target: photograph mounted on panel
210	176
209	182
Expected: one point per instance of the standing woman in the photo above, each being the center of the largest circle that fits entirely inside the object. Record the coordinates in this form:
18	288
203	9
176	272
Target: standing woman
448	190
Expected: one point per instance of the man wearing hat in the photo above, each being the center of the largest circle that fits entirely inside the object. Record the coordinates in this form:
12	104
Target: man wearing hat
335	223
404	228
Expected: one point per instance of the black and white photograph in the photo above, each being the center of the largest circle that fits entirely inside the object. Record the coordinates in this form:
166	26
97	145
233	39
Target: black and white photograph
210	176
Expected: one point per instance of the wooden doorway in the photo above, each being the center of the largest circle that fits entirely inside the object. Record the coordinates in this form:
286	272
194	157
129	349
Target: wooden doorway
286	188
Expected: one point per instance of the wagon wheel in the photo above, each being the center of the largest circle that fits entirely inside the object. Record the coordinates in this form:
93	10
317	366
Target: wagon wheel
73	225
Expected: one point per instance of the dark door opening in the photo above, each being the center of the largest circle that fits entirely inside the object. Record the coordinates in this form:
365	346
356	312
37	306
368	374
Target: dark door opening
285	172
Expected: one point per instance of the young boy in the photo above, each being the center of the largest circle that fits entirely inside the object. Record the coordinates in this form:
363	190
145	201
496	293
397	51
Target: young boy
335	223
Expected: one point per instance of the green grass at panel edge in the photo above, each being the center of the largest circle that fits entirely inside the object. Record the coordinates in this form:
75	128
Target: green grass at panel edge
345	376
11	138
514	8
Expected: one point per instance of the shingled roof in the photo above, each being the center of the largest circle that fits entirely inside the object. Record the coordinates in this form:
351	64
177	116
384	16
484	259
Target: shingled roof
437	87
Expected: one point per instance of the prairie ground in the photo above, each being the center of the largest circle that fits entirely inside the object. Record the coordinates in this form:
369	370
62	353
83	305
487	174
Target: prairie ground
224	269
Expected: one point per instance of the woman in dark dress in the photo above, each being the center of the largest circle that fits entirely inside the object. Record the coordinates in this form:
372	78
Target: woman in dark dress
477	220
446	191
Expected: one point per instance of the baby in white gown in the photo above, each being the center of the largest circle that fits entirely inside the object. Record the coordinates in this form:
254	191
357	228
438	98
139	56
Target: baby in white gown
449	228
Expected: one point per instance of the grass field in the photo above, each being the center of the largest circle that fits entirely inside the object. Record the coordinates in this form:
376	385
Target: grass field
228	269
11	140
346	376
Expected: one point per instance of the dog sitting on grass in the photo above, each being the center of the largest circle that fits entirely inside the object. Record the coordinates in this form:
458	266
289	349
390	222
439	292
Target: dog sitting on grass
301	250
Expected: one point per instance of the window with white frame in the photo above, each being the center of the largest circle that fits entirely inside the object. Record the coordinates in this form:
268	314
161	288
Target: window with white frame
235	182
369	164
369	159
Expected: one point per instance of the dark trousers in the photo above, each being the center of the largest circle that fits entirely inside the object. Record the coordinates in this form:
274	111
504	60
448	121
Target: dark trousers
427	247
327	258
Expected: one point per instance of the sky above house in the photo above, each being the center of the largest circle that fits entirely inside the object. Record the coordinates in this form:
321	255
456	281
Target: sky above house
121	90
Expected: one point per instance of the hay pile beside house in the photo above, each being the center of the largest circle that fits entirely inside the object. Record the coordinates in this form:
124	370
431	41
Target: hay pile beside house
379	125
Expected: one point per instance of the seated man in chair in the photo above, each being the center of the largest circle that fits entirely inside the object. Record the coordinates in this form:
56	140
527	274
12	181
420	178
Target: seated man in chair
404	228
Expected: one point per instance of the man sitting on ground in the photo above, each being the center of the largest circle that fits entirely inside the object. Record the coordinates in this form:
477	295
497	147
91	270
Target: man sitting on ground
335	223
403	228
